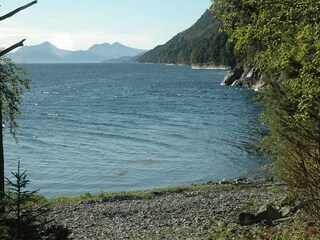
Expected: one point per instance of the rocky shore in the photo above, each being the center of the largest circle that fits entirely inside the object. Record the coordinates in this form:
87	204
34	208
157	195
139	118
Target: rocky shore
208	67
246	76
208	213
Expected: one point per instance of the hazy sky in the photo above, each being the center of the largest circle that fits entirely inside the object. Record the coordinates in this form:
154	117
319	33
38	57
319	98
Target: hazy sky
78	24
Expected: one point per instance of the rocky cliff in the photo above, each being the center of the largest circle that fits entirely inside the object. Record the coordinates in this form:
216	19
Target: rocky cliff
246	76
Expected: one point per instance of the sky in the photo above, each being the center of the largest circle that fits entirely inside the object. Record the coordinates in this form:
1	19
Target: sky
78	24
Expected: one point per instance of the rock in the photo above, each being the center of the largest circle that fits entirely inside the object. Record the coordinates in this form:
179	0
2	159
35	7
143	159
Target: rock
247	219
223	181
267	212
247	76
239	180
267	222
258	86
281	220
250	78
285	211
232	76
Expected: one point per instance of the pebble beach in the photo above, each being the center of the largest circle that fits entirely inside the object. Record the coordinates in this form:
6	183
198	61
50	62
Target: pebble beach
199	214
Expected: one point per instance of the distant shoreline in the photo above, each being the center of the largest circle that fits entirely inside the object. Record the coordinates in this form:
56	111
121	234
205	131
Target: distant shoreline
209	67
192	66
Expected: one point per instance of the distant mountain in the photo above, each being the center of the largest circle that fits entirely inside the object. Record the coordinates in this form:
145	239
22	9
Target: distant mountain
201	44
115	50
124	59
48	53
45	52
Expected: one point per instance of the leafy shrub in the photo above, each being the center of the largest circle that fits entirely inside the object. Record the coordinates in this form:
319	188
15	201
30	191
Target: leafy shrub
279	38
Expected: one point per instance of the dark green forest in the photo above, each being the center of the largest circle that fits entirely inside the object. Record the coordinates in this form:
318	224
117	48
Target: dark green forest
202	44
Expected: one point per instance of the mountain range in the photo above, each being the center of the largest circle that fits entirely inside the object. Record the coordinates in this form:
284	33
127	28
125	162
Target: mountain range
202	44
48	53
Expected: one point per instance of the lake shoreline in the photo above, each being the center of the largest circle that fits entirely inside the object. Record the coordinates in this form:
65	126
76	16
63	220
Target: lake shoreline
204	211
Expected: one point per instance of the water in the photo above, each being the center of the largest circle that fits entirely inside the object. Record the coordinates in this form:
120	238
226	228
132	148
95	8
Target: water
123	127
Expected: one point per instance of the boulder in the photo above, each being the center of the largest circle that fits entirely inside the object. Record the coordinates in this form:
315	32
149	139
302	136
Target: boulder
286	211
267	212
247	219
233	75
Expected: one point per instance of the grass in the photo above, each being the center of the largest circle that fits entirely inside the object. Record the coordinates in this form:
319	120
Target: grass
147	194
299	230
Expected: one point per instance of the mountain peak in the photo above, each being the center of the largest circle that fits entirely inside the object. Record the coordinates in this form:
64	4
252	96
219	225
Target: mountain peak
103	44
99	45
46	44
117	44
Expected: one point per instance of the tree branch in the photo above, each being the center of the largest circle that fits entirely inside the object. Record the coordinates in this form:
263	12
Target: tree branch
10	14
9	49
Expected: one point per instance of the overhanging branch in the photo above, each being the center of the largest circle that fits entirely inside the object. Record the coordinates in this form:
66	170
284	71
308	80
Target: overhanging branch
10	14
9	49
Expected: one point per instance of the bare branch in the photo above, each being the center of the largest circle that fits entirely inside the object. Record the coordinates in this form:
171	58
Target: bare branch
9	49
10	14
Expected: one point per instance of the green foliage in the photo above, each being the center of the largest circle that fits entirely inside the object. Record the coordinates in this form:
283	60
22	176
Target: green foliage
19	204
12	86
201	44
109	196
282	39
24	217
297	231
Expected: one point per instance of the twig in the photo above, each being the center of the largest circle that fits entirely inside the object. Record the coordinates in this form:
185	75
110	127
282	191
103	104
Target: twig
10	14
9	49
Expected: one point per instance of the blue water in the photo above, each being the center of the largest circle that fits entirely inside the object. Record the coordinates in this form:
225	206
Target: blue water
123	127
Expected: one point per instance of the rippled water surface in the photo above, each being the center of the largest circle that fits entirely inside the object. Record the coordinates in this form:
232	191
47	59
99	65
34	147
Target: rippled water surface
123	127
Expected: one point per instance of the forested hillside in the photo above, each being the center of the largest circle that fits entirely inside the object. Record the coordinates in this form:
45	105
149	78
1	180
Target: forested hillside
201	44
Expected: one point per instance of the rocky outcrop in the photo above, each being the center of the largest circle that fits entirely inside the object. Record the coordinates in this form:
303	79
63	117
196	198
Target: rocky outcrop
232	76
268	212
247	76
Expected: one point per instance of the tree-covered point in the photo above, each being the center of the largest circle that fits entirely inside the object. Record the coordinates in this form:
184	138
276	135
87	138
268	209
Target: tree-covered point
201	44
282	39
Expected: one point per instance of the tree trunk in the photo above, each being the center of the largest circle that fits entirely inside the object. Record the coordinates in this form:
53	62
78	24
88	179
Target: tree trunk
2	193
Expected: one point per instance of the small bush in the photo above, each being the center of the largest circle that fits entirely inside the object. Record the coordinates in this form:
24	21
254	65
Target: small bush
24	217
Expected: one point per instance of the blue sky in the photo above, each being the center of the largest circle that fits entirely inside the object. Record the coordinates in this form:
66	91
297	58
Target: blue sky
78	24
